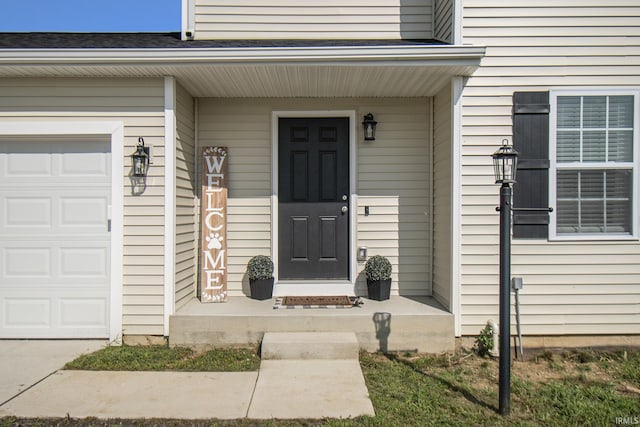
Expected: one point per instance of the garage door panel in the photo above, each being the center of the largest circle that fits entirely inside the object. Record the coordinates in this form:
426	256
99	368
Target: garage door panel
60	161
24	165
27	263
54	238
33	211
24	211
87	211
83	262
82	312
26	312
83	164
70	316
59	262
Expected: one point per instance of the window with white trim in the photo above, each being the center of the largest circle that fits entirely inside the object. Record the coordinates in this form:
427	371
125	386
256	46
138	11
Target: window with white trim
593	164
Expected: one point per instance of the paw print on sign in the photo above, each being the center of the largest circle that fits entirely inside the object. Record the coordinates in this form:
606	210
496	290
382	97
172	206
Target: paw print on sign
214	241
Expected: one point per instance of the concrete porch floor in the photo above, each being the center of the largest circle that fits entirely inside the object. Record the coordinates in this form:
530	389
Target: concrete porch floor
398	324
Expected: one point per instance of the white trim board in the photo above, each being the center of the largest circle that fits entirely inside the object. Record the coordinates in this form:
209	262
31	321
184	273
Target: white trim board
169	200
315	287
457	87
115	130
457	23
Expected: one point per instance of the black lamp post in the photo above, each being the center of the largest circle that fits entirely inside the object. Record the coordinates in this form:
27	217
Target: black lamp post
505	163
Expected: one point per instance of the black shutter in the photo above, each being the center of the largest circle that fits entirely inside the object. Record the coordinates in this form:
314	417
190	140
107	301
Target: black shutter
531	141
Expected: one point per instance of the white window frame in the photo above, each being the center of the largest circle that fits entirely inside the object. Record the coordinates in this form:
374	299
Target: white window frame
554	166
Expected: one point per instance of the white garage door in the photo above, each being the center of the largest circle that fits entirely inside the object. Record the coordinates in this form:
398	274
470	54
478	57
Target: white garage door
55	196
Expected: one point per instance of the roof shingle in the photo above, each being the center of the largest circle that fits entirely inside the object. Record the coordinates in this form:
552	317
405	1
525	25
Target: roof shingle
168	41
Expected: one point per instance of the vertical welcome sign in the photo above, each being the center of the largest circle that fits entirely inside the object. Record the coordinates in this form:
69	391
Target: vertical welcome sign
213	225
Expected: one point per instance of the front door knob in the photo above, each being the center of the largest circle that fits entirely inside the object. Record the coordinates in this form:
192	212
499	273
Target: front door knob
345	209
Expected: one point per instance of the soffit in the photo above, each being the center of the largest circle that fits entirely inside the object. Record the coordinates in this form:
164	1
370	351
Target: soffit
374	71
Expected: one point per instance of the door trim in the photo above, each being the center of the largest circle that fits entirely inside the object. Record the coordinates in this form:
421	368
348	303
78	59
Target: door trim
315	287
114	130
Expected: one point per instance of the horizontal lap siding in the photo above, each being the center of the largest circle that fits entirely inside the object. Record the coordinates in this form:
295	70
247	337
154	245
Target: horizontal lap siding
334	19
140	105
569	287
442	166
244	127
186	231
393	176
394	181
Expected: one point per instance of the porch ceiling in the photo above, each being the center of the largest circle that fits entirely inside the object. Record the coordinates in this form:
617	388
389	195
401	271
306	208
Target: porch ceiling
379	71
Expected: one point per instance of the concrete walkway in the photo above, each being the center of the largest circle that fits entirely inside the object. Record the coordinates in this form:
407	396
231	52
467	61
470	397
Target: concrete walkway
280	389
24	363
310	389
81	394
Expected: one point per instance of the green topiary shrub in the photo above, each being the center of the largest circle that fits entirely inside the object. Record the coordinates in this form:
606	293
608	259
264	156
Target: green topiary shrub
378	268
260	267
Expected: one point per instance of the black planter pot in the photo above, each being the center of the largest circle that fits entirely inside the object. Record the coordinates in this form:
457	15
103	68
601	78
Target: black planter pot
261	289
379	290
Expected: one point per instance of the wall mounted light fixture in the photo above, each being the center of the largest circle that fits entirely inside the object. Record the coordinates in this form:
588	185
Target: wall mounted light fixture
140	160
369	125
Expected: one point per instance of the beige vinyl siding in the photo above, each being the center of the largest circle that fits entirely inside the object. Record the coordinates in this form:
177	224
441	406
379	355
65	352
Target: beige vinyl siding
442	222
186	228
576	287
244	128
313	19
139	103
393	179
443	19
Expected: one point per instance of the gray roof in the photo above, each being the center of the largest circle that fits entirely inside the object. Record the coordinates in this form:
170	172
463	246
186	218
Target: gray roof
168	41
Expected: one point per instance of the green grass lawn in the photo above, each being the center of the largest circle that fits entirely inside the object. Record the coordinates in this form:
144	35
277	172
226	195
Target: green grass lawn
559	390
163	358
578	388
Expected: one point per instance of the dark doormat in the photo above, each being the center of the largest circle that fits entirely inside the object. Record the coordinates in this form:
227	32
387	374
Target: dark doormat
341	301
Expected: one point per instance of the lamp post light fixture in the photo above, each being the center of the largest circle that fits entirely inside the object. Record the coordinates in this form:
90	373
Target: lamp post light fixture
505	162
140	160
369	125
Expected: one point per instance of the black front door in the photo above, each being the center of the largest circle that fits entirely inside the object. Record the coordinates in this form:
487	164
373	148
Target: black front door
313	193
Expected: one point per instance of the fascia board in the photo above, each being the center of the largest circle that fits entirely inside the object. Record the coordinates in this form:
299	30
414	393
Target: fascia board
408	55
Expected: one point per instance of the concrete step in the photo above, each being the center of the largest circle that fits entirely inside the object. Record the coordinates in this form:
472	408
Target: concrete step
310	346
399	324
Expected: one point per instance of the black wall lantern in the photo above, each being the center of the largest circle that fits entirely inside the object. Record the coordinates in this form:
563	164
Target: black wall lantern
140	160
369	125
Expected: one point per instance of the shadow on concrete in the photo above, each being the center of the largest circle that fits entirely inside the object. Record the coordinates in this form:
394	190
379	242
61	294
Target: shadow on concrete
382	321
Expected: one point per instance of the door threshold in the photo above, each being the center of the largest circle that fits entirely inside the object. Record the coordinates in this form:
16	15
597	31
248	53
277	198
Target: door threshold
313	288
